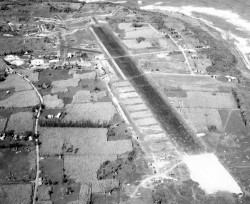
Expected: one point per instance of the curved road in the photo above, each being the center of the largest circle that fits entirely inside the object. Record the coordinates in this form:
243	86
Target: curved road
36	132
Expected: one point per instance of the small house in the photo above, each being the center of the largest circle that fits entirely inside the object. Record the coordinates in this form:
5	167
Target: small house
58	115
37	62
50	116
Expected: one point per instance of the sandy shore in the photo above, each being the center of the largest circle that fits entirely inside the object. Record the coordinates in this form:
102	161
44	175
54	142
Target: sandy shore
242	44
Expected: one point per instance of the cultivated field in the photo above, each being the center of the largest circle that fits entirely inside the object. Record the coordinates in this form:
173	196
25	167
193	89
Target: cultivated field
191	83
21	122
17	82
96	112
2	124
199	99
21	99
30	74
83	169
163	62
17	167
88	75
144	31
80	141
200	119
52	169
84	96
61	86
16	193
52	101
84	150
133	44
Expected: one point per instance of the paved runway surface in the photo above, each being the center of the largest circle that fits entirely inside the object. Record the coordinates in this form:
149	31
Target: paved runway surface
162	111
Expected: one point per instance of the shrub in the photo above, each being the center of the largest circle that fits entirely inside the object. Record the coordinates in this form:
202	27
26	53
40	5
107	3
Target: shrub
2	78
223	61
212	128
83	124
140	39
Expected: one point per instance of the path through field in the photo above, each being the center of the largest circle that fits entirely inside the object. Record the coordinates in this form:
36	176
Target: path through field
36	133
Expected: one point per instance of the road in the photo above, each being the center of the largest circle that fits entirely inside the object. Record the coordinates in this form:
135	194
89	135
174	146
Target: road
36	133
163	112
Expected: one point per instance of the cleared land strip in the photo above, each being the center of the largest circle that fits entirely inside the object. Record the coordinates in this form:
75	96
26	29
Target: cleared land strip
162	111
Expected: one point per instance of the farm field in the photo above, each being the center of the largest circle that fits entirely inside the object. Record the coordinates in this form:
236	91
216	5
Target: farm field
105	102
21	99
21	122
209	108
141	38
84	150
102	112
162	63
198	100
17	193
82	141
19	167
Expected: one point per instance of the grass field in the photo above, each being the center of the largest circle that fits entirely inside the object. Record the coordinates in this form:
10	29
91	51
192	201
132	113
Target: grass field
96	112
80	141
84	96
84	150
198	99
52	169
2	124
30	74
191	83
21	122
17	167
84	168
64	84
163	62
16	193
21	99
200	118
52	101
15	81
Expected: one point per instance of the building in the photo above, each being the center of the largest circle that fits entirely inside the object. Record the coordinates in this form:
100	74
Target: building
37	62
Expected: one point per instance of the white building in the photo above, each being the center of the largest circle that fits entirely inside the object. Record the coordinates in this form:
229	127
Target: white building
37	62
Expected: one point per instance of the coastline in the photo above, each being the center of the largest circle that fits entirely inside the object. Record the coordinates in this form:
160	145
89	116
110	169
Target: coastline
242	44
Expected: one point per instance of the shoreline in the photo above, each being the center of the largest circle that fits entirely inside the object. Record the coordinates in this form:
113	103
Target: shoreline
241	44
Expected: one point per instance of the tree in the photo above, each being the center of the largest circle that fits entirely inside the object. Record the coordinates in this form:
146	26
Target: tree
140	39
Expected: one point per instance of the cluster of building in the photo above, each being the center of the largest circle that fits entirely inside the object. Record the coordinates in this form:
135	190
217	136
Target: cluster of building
58	116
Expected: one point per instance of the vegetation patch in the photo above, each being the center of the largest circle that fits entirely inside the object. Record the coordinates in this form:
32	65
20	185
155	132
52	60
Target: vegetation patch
51	170
123	168
223	61
52	101
84	96
17	164
30	74
84	168
100	112
16	193
2	124
21	100
119	131
15	81
80	124
21	122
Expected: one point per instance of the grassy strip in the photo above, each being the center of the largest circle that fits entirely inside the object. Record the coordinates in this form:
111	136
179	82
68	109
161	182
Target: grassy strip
81	124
